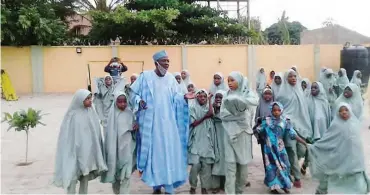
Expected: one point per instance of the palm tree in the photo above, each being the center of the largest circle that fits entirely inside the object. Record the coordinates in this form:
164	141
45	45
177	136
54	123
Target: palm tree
99	5
284	29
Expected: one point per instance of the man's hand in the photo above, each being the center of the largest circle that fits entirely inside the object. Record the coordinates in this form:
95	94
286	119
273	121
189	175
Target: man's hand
189	96
140	174
142	105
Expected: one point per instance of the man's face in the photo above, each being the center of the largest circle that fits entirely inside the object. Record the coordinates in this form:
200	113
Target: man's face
164	62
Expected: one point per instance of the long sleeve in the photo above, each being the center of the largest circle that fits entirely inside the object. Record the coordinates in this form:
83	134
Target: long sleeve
123	68
107	68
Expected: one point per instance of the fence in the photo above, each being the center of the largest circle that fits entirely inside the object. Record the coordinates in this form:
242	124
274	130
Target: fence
39	69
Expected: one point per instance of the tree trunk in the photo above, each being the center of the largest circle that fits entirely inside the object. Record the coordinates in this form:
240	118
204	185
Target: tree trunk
26	145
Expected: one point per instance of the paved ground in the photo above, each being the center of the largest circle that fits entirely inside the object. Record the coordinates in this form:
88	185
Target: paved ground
36	178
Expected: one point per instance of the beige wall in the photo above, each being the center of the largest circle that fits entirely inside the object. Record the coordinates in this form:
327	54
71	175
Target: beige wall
281	58
66	71
204	61
17	62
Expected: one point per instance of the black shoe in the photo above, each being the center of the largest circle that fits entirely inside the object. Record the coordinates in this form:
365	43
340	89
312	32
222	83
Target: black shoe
303	170
248	184
157	192
274	192
192	191
204	191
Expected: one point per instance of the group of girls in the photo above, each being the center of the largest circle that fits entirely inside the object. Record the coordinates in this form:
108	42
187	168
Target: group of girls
291	123
326	130
84	152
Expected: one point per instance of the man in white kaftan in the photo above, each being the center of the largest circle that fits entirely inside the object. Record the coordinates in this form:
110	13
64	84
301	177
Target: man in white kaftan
163	117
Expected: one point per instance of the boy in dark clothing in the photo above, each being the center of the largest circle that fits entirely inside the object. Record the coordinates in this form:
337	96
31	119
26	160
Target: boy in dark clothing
115	67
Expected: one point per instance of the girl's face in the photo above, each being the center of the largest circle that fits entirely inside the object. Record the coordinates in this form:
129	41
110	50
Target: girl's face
329	76
202	98
121	102
262	70
190	88
88	101
178	79
277	80
347	92
183	75
217	80
272	74
292	79
133	79
276	111
233	84
108	81
267	95
304	85
359	75
218	99
344	113
315	90
340	73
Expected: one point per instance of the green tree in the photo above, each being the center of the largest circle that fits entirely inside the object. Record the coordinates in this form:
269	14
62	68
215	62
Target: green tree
30	22
284	32
24	121
165	22
98	5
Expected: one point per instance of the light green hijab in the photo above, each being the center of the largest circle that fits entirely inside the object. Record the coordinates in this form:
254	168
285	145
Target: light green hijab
356	102
235	106
183	86
328	84
295	104
320	113
355	79
340	151
79	150
119	144
342	81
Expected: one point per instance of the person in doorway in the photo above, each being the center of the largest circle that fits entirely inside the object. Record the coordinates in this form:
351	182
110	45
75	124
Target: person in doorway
238	133
115	67
79	155
163	119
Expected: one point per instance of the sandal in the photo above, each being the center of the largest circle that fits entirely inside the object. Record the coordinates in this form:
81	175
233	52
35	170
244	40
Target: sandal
274	192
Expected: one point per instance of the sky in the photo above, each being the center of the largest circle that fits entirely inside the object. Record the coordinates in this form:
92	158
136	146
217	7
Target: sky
352	14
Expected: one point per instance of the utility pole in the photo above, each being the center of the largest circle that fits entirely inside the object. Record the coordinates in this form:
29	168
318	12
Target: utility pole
248	15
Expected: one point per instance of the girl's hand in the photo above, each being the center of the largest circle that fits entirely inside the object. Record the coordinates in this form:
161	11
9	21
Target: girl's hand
195	124
143	104
135	127
210	95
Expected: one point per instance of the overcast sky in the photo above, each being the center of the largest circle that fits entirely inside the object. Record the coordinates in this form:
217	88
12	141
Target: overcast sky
353	14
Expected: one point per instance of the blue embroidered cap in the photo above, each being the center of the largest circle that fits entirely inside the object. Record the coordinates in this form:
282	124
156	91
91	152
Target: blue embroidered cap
159	55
